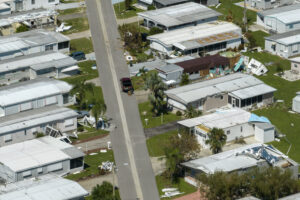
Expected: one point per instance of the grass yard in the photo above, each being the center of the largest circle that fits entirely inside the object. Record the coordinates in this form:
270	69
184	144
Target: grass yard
72	11
78	25
156	143
70	1
90	132
154	121
86	73
237	12
283	121
162	182
121	13
286	90
82	44
259	37
92	162
138	82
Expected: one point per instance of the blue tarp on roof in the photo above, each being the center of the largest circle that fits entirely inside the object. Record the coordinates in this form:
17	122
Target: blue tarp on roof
255	118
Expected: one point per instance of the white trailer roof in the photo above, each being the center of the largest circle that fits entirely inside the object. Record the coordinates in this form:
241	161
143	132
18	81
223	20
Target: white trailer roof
30	90
33	153
180	14
200	35
221	119
47	187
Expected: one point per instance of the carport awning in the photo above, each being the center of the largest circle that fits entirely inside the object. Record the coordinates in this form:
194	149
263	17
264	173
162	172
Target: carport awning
69	69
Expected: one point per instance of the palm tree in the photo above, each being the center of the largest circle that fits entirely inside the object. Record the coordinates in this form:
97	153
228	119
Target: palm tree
80	89
98	109
184	79
157	95
191	112
216	140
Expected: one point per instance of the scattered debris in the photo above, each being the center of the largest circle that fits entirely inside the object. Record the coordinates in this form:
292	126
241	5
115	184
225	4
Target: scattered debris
277	139
280	101
106	166
63	28
92	154
170	192
103	151
256	67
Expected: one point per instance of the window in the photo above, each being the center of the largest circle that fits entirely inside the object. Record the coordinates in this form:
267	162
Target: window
241	129
63	45
51	100
227	132
25	132
49	47
259	99
237	103
295	48
55	167
26	106
32	2
50	1
8	138
243	103
254	100
248	102
229	99
65	98
75	163
26	174
40	170
291	26
295	65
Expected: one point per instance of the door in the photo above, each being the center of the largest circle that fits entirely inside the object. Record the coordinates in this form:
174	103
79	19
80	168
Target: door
233	102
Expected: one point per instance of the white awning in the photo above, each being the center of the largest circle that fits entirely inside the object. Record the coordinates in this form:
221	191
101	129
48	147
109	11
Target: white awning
75	67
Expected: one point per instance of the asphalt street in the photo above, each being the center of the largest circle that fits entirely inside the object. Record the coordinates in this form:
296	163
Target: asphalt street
135	174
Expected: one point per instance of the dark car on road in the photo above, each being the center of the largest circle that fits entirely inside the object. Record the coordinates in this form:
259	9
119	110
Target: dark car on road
126	84
78	55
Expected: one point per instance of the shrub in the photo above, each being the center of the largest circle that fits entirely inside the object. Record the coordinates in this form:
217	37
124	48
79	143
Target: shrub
80	128
178	113
22	28
38	135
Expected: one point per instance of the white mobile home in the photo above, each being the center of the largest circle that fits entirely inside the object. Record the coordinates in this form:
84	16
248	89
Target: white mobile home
34	94
44	64
207	38
295	65
234	90
179	16
240	160
234	122
268	4
170	73
26	5
31	42
38	157
47	187
284	44
26	125
281	19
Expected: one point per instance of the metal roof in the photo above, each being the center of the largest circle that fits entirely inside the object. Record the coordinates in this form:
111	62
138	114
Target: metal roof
179	59
46	187
35	117
249	198
286	38
34	153
170	2
37	61
264	126
221	119
286	14
198	36
291	197
30	90
296	59
240	158
6	20
29	39
203	89
169	68
180	14
253	91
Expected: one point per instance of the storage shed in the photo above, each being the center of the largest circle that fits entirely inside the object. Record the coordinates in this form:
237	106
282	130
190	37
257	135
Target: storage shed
296	103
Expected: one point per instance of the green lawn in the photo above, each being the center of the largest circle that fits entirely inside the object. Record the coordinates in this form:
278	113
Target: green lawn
138	81
286	90
90	132
86	73
283	121
154	121
157	143
259	37
78	25
237	12
121	13
72	11
82	44
162	182
93	161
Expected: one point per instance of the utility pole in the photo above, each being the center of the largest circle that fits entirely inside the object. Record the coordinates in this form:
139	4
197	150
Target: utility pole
245	16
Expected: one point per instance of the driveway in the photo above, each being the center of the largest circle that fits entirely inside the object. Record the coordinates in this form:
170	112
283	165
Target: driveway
83	34
71	16
65	6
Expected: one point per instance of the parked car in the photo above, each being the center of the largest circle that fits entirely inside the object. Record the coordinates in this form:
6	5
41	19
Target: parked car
78	55
82	113
126	84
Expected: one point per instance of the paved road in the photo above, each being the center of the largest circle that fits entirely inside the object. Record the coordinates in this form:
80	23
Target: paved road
135	174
